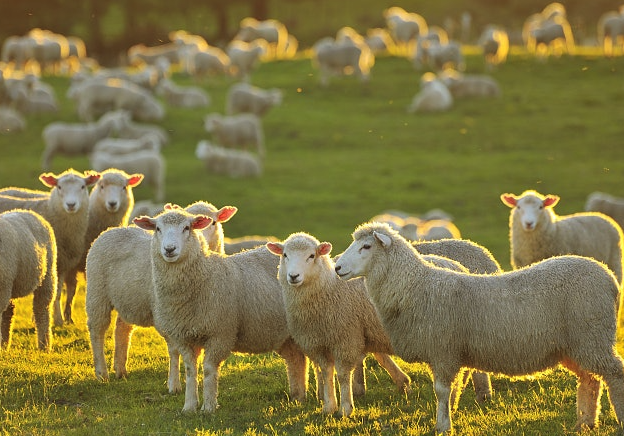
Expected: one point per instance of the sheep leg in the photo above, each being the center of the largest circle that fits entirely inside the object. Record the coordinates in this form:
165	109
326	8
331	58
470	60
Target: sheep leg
98	323
7	324
400	379
442	384
329	390
213	358
359	379
190	355
482	386
58	314
71	281
173	379
587	396
297	370
123	333
42	298
345	372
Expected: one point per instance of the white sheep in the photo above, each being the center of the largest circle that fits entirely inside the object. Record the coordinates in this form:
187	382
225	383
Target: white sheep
247	242
131	295
206	62
331	320
11	121
438	56
405	28
336	58
243	97
110	203
221	304
271	31
227	161
148	141
27	266
238	131
607	204
494	41
417	229
536	232
150	163
433	96
610	30
245	57
133	130
77	139
66	208
140	53
450	319
182	96
469	85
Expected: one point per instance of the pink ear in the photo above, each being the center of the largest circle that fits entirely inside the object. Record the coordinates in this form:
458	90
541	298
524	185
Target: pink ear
551	200
509	200
144	222
275	248
201	222
170	206
48	179
324	248
225	213
135	179
91	178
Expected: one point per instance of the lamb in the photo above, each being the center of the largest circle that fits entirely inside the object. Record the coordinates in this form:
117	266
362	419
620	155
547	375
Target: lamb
123	249
332	321
149	141
240	130
243	97
77	139
245	57
110	203
227	161
422	306
536	232
221	304
607	204
182	96
470	85
333	57
433	96
150	163
66	208
27	266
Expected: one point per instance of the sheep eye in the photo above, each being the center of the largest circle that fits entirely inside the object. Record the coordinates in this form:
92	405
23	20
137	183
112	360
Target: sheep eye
285	255
214	223
187	229
311	256
366	246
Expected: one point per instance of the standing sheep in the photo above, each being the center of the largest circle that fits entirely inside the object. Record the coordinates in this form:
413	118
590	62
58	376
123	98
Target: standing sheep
450	319
182	96
27	266
221	304
243	97
119	278
536	232
245	57
227	161
331	320
238	131
66	208
607	204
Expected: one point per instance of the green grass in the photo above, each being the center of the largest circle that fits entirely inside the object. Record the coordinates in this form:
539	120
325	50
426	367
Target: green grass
336	157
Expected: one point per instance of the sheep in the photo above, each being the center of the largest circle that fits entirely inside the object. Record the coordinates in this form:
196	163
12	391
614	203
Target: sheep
536	232
227	161
547	30
150	163
433	96
379	40
333	57
110	203
179	96
610	30
240	130
11	121
470	85
271	31
332	321
209	61
77	139
131	295
494	41
221	304
146	207
133	130
449	319
438	56
66	208
417	229
607	204
27	266
247	242
245	57
149	141
140	53
243	97
405	28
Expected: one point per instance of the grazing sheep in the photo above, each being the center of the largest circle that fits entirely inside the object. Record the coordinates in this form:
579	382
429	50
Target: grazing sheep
11	121
140	53
379	40
606	204
239	131
77	139
227	161
536	232
110	203
245	57
272	32
27	266
469	85
247	242
405	28
433	96
332	321
221	304
335	58
438	56
182	96
206	62
149	141
494	41
150	163
450	319
243	97
66	208
131	295
611	32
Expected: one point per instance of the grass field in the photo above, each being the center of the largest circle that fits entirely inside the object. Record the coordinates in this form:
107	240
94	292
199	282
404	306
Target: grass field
336	157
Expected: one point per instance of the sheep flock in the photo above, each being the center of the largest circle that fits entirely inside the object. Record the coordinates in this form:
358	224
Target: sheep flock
411	288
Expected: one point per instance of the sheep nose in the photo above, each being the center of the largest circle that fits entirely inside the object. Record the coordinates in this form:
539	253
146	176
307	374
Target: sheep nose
337	268
71	206
112	204
293	277
169	250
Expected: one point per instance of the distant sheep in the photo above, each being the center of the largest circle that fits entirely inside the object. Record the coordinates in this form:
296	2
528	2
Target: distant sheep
438	56
536	232
607	204
243	97
182	96
271	31
433	96
207	62
337	58
149	141
610	30
227	161
470	85
133	130
494	41
438	316
11	121
245	57
405	28
236	131
27	266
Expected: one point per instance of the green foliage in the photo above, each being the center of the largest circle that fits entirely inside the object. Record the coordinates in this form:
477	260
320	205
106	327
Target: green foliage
335	157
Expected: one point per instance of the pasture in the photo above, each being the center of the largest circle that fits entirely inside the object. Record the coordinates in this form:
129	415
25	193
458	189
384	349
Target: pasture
336	156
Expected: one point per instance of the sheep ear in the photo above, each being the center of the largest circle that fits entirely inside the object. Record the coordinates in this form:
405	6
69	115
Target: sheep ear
134	180
201	222
91	178
145	222
275	248
509	200
551	200
171	206
384	240
48	179
225	213
324	248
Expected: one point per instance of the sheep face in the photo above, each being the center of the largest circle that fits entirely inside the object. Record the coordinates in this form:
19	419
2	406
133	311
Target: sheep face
299	254
530	208
357	258
71	187
172	230
112	189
